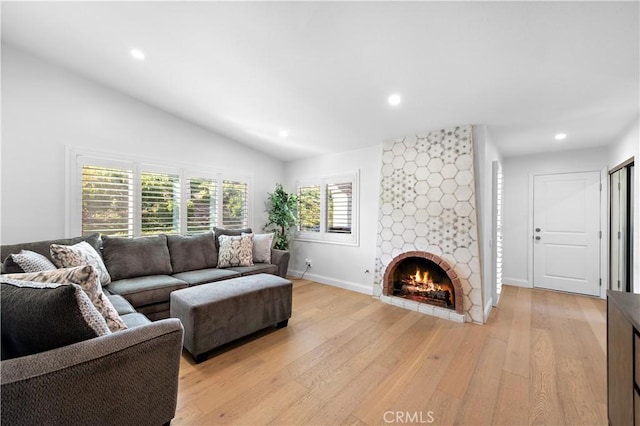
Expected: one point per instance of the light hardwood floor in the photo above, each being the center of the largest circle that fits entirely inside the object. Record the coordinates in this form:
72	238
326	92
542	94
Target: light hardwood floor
347	358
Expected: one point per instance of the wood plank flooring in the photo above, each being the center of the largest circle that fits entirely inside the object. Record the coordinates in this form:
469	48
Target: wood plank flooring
347	358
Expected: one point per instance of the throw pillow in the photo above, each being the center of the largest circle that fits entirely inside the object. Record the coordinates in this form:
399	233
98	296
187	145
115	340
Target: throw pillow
262	247
233	232
87	278
30	261
136	257
40	317
235	251
79	255
192	252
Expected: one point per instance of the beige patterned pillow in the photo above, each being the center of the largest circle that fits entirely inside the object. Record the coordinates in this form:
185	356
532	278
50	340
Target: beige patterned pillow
87	278
235	250
79	255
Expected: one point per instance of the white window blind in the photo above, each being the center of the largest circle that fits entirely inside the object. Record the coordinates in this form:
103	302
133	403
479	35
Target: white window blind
339	207
234	204
202	205
107	201
160	208
309	208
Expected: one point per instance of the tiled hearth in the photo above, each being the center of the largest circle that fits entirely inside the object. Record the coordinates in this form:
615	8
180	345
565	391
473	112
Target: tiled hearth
428	204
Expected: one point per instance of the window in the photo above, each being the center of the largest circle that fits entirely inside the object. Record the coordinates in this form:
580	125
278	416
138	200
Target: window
327	209
128	198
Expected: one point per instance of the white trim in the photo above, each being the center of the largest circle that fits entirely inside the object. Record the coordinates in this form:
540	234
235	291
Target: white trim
487	309
357	287
604	228
516	282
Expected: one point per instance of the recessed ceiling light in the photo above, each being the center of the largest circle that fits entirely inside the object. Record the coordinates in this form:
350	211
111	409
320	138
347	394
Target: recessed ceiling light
561	136
394	99
284	133
137	53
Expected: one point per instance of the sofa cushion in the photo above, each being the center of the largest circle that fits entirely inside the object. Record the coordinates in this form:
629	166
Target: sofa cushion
203	276
235	250
30	261
135	320
233	232
41	247
87	278
189	253
79	255
40	317
121	305
136	257
256	268
140	291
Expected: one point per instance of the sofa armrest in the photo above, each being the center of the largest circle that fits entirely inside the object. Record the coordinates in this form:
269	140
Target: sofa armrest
128	377
280	258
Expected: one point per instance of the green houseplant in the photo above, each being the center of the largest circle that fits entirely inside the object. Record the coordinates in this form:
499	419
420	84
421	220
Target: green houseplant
282	208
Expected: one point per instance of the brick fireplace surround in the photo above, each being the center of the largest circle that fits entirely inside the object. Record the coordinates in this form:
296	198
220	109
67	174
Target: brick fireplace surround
428	205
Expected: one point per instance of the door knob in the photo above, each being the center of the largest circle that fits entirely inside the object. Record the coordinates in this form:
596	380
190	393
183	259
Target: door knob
537	237
538	229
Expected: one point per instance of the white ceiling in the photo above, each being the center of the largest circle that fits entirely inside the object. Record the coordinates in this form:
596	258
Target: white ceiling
323	71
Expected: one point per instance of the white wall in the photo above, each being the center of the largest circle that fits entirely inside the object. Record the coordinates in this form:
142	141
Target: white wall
627	146
485	153
45	108
516	172
340	265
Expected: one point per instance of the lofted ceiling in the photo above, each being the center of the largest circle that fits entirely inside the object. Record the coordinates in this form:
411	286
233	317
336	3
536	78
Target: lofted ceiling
323	71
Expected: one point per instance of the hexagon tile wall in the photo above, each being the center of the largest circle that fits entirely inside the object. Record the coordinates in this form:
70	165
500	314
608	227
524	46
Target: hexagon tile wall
428	203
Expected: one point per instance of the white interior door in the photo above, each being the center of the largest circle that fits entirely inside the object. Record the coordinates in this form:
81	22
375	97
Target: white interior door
566	221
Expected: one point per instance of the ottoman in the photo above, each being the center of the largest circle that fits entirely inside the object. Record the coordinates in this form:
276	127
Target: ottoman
216	313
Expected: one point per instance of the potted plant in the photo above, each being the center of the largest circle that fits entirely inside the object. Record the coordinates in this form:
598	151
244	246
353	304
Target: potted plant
282	209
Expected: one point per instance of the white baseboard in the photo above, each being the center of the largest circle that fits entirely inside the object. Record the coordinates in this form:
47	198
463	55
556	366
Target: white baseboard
357	287
515	282
487	309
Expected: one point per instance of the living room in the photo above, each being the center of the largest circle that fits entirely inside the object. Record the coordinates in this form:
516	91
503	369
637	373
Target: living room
228	89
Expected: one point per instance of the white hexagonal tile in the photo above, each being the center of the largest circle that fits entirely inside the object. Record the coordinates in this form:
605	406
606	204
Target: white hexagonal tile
409	222
474	281
448	186
463	208
386	208
409	235
421	202
448	201
462	255
448	171
434	180
387	157
422	159
434	209
387	170
475	312
421	244
463	162
422	173
397	215
435	150
398	162
386	234
421	216
386	221
463	270
410	141
464	177
463	193
386	247
410	167
434	194
410	154
435	165
398	149
421	230
434	223
397	242
386	258
476	297
397	228
474	264
409	209
421	187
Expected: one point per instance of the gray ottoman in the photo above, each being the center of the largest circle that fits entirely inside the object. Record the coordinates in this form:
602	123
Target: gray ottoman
217	313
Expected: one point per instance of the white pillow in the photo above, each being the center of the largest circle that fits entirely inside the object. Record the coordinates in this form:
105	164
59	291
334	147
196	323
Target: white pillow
262	247
79	255
30	261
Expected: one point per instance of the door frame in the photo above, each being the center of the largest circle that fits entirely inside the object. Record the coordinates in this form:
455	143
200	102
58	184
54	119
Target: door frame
604	224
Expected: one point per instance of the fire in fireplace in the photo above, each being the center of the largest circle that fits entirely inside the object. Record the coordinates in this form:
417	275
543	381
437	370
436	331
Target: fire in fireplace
425	278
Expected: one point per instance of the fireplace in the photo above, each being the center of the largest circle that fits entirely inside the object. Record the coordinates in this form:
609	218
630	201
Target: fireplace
423	277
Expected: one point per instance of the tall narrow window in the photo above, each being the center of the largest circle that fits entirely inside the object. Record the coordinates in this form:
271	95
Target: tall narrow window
339	207
160	207
309	208
107	203
234	204
202	206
